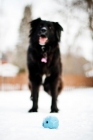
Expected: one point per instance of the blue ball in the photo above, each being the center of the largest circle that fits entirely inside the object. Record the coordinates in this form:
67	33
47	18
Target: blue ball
50	122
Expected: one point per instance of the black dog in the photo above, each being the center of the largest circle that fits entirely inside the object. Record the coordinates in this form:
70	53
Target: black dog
44	57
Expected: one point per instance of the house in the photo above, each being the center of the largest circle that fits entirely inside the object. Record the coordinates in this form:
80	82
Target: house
8	70
89	73
88	69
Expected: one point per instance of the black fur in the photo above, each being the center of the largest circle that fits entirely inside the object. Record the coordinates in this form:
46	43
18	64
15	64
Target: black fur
52	68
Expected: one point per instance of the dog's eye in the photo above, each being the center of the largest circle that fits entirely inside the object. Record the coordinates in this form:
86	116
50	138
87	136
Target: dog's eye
50	27
41	25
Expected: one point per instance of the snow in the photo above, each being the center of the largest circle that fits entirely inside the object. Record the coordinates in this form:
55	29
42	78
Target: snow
75	116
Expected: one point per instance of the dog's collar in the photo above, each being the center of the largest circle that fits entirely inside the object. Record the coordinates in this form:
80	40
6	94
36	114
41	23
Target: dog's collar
44	58
42	48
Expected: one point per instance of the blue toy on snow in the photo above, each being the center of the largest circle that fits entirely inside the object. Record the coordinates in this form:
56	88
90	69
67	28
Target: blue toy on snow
50	122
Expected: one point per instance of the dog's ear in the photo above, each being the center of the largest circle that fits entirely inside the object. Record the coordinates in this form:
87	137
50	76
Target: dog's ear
35	22
58	29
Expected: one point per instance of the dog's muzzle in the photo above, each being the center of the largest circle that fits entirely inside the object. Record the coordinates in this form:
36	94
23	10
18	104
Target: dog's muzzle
43	36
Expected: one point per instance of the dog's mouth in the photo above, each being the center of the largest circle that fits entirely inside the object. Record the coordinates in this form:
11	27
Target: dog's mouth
43	40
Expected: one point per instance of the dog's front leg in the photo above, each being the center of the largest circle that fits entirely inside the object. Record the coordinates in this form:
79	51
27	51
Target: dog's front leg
53	80
54	94
35	93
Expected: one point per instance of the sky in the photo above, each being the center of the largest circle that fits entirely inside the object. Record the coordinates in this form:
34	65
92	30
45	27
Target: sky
11	13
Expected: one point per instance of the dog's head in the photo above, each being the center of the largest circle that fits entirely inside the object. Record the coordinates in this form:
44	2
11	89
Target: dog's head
45	34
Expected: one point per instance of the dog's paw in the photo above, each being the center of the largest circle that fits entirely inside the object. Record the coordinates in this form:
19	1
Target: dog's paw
32	110
54	110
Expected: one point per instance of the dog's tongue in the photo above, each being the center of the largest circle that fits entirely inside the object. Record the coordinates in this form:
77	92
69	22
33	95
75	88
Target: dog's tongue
42	40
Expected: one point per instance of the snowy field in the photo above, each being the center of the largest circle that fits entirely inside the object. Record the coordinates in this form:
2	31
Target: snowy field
75	116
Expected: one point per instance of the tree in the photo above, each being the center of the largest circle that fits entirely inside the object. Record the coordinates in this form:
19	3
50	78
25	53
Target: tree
87	6
22	45
79	12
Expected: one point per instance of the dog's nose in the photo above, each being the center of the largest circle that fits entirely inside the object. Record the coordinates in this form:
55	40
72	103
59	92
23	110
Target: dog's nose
43	30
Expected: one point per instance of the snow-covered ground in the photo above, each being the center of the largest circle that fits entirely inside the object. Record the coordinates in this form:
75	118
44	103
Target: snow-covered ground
75	116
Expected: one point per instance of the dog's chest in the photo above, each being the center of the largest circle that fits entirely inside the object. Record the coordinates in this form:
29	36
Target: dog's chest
46	67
